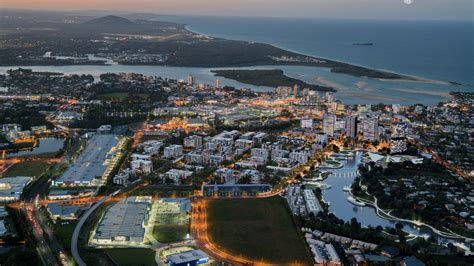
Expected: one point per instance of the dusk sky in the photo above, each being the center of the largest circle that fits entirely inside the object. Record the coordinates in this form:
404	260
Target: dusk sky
390	9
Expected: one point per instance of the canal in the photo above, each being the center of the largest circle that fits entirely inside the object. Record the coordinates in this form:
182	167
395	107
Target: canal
366	215
45	145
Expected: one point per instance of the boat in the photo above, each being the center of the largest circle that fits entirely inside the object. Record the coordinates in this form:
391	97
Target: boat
355	202
364	44
346	189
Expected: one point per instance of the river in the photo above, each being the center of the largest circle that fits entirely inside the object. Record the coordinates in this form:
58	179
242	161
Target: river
350	89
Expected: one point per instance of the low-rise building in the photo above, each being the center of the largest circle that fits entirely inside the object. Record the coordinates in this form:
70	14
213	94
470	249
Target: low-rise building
192	142
63	212
123	224
142	166
176	175
11	188
173	152
191	257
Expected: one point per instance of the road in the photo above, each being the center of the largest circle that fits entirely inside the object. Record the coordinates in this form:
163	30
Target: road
44	250
199	230
77	230
52	243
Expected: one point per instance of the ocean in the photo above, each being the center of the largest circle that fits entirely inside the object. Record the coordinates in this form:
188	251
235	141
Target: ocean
439	50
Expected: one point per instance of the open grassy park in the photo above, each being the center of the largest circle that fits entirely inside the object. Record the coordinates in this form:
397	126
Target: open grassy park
169	233
132	256
27	168
64	233
258	229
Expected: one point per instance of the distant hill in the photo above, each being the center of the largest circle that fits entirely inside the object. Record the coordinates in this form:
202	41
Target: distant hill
110	21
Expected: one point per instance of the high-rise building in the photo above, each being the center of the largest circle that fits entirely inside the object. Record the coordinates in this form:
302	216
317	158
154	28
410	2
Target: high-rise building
190	80
312	96
351	126
370	128
329	97
329	123
296	90
399	130
218	83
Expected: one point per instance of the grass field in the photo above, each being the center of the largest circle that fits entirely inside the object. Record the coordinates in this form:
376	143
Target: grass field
27	168
169	233
131	256
258	229
64	233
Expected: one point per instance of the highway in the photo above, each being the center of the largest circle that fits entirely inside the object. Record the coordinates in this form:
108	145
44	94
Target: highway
44	250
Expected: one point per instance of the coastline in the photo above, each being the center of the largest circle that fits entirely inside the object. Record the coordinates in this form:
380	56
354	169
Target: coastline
406	77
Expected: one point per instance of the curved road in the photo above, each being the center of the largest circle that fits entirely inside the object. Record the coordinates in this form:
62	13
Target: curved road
75	235
383	214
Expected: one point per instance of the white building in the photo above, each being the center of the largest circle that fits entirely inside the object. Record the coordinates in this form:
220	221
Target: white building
226	174
284	91
136	156
176	175
193	142
351	126
259	137
193	158
173	151
322	138
190	80
243	144
142	166
370	128
122	178
260	153
279	154
300	157
329	124
151	147
306	123
312	203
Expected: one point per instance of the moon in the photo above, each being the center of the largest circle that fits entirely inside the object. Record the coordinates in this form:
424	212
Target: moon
408	2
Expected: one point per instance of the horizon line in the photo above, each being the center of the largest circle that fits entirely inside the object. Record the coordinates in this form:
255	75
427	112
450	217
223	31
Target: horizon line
124	12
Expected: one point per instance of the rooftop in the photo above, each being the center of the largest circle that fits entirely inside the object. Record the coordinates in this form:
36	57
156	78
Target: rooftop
124	219
91	163
13	186
187	256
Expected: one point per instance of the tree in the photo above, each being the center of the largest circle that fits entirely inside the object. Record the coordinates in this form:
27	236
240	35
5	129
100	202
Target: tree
399	226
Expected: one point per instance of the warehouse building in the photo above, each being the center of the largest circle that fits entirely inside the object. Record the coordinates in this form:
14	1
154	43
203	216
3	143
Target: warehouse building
123	224
11	188
99	155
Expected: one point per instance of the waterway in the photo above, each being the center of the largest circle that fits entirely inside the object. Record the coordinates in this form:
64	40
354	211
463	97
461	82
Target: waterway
350	89
343	209
45	145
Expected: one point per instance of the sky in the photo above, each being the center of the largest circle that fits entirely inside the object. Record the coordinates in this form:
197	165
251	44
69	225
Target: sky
359	9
